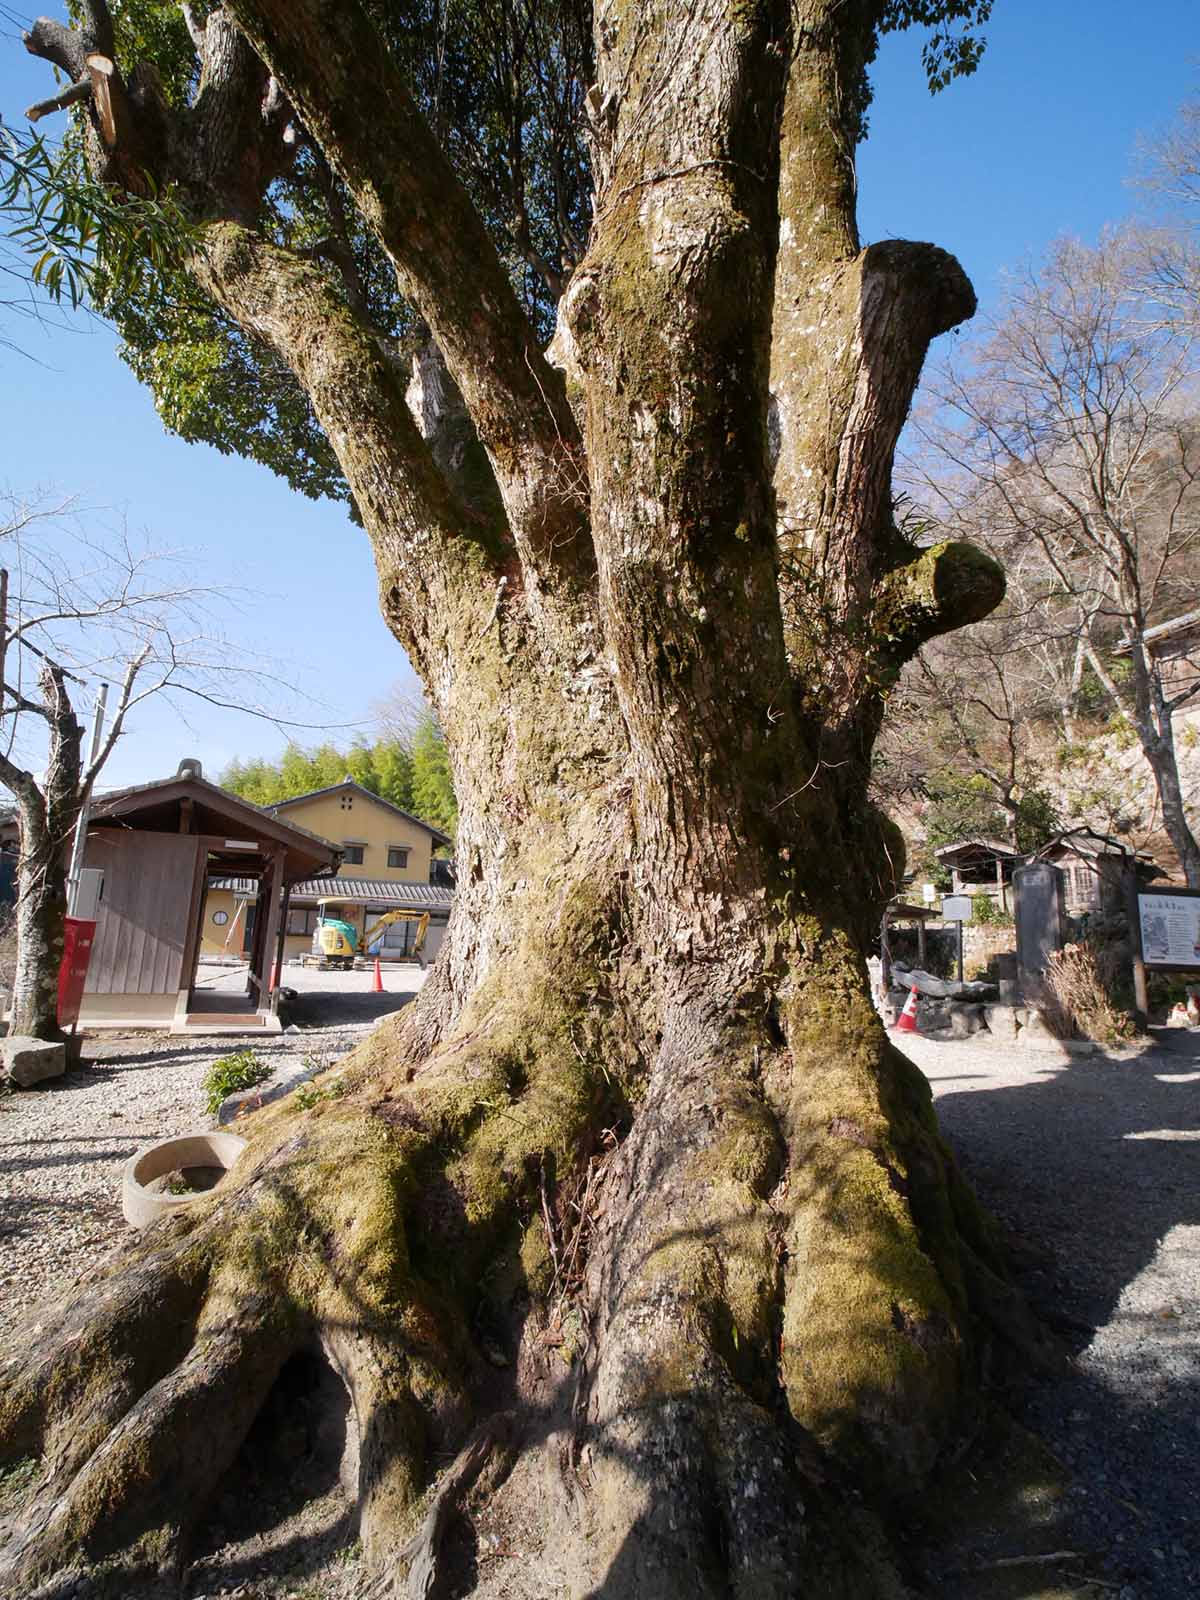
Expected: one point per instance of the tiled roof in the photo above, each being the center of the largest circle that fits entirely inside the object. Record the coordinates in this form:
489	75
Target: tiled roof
110	801
375	891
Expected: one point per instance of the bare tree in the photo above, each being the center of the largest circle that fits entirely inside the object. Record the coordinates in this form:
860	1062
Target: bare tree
81	608
1070	442
1169	245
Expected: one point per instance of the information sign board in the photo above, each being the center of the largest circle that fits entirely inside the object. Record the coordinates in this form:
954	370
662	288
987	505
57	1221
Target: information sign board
1169	925
956	908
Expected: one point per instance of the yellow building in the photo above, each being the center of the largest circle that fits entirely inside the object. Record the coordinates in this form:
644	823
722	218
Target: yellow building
386	862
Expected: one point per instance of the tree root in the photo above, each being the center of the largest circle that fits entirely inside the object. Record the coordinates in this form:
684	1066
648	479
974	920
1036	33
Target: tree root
369	1226
777	1292
421	1554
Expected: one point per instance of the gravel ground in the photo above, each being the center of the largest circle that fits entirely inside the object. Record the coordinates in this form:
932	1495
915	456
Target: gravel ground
1090	1163
64	1143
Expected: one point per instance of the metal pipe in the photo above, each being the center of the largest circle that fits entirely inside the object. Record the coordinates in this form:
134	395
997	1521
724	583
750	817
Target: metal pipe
85	810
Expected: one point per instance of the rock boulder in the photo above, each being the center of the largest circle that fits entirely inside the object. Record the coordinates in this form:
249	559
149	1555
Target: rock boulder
29	1061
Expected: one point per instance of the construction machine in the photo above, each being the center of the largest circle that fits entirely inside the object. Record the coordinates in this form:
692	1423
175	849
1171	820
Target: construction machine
337	943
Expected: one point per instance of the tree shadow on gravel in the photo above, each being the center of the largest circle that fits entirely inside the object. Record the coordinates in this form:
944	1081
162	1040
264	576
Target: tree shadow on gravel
318	1010
1090	1168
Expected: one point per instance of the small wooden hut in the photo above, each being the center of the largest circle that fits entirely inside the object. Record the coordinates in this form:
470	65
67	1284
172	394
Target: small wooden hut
158	844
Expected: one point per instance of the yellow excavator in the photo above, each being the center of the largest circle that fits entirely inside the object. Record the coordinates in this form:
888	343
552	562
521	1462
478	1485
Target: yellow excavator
336	943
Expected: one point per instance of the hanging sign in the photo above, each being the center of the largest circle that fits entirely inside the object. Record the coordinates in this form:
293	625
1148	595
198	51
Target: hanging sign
956	908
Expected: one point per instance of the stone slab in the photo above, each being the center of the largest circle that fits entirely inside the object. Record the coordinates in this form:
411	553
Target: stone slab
29	1061
1002	1021
966	1020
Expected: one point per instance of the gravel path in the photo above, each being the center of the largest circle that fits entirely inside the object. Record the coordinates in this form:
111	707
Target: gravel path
1095	1164
64	1143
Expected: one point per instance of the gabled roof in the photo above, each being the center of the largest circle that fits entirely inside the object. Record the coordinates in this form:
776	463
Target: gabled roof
139	796
357	788
977	847
241	834
1086	842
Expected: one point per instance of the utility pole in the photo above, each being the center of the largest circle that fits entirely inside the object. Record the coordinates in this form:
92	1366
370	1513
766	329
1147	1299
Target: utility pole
80	845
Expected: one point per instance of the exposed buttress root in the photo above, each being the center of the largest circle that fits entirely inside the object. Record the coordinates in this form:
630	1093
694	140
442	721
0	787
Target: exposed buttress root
782	1291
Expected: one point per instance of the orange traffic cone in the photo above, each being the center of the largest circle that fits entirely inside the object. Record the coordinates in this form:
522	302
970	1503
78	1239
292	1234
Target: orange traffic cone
379	977
906	1022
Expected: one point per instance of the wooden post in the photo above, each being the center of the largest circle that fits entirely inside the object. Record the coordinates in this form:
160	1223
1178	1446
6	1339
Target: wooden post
921	941
278	957
1141	999
885	952
960	950
270	925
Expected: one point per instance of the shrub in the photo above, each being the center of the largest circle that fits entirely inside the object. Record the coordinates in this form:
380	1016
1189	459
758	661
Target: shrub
1084	980
988	914
229	1075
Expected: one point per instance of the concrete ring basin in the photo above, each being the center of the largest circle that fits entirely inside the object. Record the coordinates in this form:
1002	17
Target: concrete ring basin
207	1157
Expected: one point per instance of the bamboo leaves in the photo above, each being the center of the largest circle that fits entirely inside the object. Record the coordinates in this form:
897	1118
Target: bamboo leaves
73	230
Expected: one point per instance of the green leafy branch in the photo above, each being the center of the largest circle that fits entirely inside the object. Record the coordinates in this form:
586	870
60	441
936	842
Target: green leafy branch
75	229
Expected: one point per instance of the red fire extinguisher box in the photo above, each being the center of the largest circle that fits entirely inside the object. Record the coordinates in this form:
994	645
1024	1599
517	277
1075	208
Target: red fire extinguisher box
72	974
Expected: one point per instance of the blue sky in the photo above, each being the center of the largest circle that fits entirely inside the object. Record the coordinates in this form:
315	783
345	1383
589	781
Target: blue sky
1040	141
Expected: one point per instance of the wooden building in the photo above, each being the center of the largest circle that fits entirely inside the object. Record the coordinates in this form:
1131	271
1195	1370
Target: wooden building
158	844
1094	866
981	866
387	861
1174	647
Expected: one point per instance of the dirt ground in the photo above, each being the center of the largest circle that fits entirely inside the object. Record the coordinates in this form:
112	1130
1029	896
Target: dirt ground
1089	1163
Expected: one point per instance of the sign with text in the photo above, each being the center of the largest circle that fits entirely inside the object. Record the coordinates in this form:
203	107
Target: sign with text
1169	925
956	908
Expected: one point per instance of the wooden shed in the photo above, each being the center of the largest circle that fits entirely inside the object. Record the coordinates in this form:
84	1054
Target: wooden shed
158	844
981	866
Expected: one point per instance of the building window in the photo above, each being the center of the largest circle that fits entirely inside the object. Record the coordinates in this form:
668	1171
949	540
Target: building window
347	802
300	919
220	918
352	855
396	856
1085	886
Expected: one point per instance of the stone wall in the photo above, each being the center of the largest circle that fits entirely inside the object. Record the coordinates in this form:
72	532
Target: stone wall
982	941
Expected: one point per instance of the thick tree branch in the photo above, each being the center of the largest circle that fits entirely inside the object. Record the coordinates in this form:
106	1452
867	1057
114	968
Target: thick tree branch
851	330
60	102
239	152
422	537
62	47
354	101
124	139
124	700
947	586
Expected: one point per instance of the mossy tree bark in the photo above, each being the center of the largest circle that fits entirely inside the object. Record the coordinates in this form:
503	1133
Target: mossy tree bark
641	1138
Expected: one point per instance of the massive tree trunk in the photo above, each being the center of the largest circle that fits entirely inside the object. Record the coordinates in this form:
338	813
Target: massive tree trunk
637	1186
